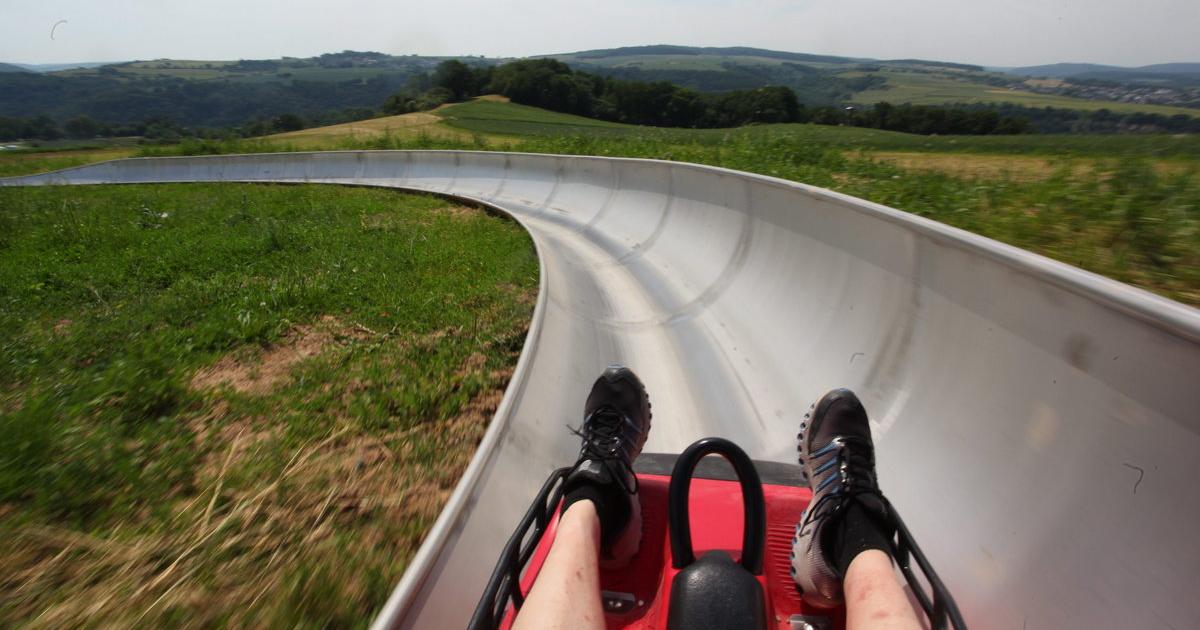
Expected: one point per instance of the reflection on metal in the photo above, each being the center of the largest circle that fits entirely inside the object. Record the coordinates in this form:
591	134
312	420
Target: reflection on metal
1038	425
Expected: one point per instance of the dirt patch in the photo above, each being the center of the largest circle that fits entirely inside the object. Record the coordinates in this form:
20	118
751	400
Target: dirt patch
525	297
403	126
261	373
473	364
458	212
62	327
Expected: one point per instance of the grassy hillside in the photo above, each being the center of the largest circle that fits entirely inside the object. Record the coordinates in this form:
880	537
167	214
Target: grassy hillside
212	93
232	405
496	118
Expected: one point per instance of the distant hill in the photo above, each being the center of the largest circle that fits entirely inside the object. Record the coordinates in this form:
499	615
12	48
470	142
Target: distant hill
697	51
816	79
620	56
1156	73
337	87
55	67
213	93
1060	70
1172	68
835	80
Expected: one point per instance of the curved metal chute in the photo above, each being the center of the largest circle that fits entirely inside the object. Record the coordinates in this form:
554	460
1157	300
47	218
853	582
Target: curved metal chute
1036	424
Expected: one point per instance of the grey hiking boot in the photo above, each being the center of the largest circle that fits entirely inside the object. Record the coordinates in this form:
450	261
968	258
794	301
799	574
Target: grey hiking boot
837	456
616	423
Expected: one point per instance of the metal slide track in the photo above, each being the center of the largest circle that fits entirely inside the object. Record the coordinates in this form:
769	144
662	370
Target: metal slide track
1038	426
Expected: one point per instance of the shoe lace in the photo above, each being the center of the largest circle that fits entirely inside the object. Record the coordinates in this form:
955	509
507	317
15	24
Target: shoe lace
603	442
856	463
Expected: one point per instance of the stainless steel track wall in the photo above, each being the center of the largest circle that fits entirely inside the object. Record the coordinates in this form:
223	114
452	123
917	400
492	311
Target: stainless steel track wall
1037	425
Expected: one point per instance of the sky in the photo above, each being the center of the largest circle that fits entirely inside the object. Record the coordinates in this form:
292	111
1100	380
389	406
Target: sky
994	33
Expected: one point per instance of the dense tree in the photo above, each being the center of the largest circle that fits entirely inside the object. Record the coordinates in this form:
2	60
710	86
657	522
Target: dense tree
456	77
546	83
82	127
772	104
287	122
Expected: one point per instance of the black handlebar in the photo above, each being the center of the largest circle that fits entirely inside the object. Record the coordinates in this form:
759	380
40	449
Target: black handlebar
754	521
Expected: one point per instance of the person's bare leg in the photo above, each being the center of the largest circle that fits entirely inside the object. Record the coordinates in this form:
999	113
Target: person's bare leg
874	599
601	514
566	593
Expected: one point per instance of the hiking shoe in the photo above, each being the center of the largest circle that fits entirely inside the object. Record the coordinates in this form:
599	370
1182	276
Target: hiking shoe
616	421
848	513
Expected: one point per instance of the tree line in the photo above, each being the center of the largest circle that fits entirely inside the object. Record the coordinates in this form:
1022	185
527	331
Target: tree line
551	84
127	98
1104	121
160	129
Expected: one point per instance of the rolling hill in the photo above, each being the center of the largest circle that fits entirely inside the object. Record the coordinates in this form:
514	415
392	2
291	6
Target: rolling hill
349	85
1068	70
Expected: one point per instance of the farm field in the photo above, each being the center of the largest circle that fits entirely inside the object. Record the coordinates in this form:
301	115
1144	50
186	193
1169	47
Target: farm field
239	405
401	126
939	89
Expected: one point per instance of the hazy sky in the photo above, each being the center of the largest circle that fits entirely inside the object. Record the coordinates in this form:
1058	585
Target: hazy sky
997	32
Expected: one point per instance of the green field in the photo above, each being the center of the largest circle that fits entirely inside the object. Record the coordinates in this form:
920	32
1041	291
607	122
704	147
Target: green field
502	118
510	119
239	405
23	162
920	88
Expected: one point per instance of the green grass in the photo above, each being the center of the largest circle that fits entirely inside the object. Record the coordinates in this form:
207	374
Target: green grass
238	405
500	118
921	88
1150	146
510	119
23	162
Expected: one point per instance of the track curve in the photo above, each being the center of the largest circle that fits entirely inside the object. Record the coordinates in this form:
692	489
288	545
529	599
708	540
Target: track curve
1037	425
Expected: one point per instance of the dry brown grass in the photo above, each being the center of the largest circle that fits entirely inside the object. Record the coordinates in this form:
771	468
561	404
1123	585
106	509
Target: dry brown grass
403	126
334	522
1021	168
261	371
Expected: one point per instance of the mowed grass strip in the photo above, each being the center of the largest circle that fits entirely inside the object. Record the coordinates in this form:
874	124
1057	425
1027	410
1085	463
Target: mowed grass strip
239	405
